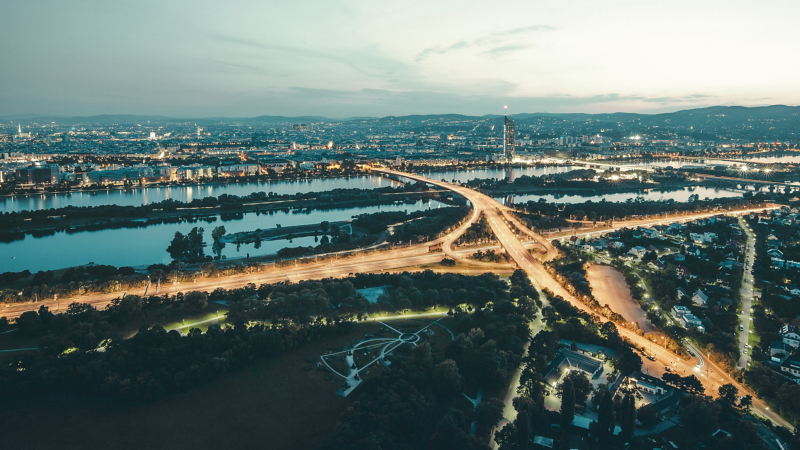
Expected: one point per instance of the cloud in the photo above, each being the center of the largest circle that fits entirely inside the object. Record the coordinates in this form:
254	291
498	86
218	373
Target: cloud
501	37
365	63
497	52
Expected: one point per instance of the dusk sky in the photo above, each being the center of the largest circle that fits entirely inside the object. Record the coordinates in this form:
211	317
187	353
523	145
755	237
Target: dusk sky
370	58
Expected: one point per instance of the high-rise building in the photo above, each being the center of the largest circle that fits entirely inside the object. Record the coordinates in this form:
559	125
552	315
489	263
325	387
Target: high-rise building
38	174
508	138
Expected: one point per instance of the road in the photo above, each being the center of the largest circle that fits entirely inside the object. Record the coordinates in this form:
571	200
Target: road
541	278
418	254
747	293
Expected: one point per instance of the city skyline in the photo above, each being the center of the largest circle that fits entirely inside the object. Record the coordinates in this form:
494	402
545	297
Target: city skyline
351	59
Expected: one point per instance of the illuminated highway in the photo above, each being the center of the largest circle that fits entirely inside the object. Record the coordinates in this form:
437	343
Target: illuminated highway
534	268
497	216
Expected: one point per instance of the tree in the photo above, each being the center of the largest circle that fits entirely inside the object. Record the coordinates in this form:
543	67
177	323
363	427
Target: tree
446	379
728	394
567	403
489	413
217	235
195	301
627	362
701	415
605	414
29	323
324	226
581	386
745	403
693	385
627	419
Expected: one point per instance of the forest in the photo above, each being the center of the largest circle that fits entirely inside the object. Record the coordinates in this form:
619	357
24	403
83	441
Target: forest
84	353
418	404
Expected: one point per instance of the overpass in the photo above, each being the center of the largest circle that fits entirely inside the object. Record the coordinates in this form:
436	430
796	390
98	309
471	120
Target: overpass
499	218
495	214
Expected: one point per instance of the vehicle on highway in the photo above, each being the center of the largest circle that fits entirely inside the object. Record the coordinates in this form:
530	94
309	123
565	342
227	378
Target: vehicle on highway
668	368
651	357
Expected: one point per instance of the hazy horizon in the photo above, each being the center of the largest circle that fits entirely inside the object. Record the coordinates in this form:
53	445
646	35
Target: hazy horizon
346	59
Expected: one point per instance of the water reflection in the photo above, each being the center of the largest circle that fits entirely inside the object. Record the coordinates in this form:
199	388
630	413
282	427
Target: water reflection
138	246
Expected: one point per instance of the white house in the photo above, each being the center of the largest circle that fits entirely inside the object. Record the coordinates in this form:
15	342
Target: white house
790	335
637	251
700	298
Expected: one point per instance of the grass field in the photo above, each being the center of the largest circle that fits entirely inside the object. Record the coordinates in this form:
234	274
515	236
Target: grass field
271	404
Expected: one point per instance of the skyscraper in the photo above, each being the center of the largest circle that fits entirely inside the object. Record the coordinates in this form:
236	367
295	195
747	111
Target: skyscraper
508	137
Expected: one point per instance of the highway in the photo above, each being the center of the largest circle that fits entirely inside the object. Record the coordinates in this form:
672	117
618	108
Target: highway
497	216
540	277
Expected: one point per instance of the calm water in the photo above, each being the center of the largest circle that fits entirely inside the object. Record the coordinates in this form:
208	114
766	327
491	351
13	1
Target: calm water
465	175
142	246
144	196
678	196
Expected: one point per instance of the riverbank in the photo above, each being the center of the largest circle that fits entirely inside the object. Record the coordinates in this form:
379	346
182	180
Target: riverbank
16	226
219	181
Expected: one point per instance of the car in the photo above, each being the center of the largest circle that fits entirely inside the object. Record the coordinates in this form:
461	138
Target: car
668	368
741	327
651	357
745	351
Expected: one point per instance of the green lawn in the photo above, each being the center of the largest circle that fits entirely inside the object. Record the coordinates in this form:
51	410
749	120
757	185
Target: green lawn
200	320
754	339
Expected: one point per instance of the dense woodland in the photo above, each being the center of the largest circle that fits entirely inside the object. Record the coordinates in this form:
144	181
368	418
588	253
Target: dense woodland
418	404
156	362
480	231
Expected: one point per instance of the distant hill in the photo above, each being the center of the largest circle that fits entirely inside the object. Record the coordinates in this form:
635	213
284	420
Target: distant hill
718	116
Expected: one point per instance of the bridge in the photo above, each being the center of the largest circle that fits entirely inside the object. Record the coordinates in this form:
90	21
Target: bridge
500	218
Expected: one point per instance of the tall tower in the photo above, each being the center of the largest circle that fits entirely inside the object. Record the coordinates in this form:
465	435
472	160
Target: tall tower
508	136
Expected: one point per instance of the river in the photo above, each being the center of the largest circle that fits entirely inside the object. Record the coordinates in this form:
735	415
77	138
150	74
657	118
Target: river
144	246
681	195
147	195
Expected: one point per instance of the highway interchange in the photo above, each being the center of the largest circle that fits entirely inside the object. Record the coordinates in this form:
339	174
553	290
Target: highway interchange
499	218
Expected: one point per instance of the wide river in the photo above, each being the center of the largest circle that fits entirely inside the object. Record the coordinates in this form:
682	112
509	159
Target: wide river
147	195
143	246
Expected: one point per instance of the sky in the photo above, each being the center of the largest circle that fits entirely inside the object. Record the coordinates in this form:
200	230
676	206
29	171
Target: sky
244	58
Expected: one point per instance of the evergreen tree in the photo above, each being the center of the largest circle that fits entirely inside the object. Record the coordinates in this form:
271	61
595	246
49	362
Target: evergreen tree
627	419
567	403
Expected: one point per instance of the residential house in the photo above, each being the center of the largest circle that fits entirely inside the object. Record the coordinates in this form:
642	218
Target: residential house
790	335
682	272
650	233
568	360
779	351
646	383
637	251
690	321
700	298
791	365
792	289
616	245
682	293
